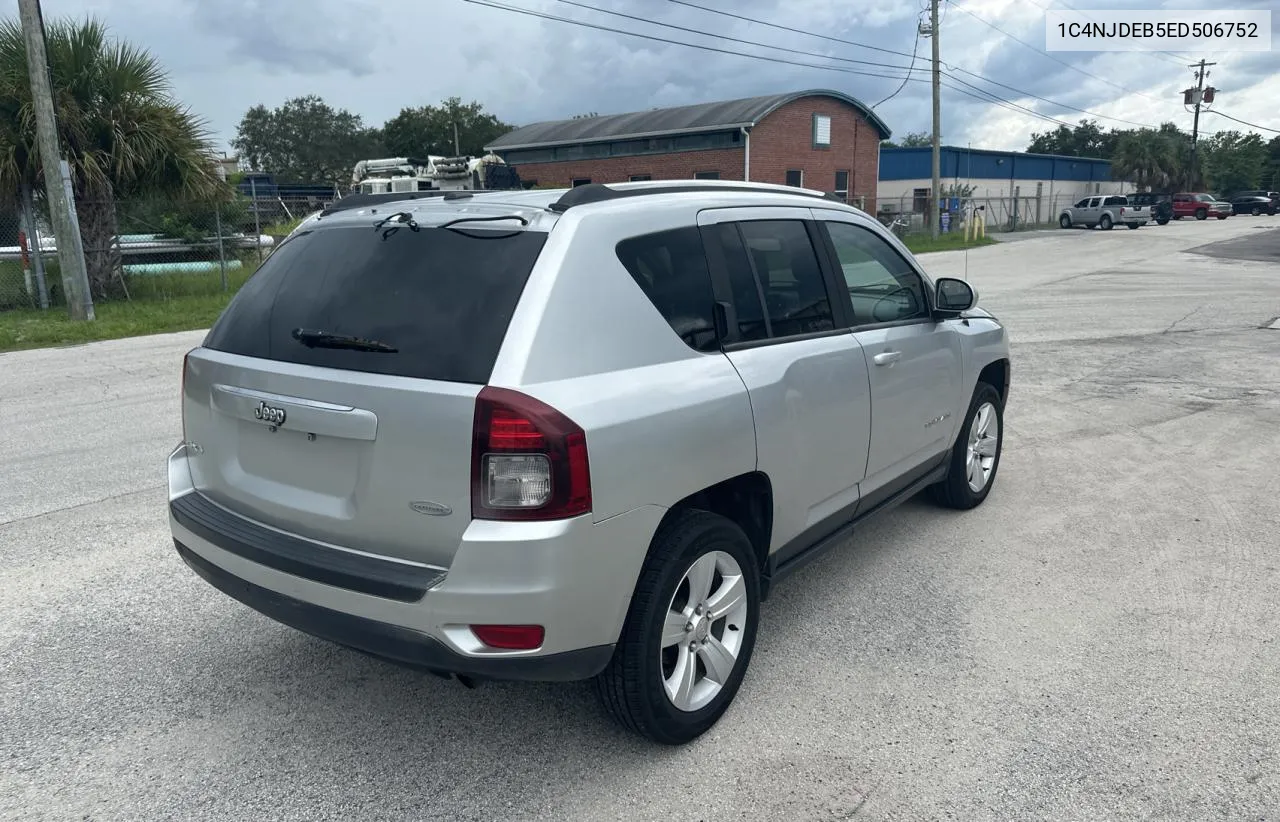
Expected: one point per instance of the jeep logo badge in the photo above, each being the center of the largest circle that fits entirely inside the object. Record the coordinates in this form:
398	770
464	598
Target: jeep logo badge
267	413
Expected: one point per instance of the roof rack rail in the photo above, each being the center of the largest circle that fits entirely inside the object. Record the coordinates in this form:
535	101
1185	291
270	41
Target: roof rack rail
599	192
364	200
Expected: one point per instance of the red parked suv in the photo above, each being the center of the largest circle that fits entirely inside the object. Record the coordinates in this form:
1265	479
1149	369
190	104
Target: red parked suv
1199	206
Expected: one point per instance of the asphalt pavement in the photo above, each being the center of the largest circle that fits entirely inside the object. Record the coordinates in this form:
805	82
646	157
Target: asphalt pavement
1097	641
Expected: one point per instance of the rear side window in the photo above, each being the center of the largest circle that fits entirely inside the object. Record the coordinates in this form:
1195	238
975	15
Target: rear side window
441	298
790	280
671	269
1117	201
745	289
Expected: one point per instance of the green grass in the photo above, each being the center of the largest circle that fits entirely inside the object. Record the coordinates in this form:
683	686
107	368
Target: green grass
160	304
923	243
282	227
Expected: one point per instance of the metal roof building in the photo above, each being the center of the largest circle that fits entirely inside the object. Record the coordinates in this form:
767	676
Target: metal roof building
694	119
819	138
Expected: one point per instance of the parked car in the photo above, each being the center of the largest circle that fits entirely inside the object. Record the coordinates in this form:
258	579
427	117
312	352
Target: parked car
1200	206
1104	211
1252	204
563	435
1161	205
1272	196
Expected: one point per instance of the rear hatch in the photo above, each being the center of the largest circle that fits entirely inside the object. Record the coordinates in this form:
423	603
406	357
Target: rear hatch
335	397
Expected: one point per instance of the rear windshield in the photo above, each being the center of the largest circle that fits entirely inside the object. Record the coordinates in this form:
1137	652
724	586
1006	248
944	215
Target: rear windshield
442	298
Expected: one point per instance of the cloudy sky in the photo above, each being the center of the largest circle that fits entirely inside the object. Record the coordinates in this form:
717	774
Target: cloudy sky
375	57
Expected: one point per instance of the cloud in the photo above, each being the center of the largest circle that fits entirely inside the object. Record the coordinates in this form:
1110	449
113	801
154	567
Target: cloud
375	57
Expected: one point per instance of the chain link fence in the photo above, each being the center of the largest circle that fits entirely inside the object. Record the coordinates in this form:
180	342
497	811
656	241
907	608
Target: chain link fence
909	214
143	248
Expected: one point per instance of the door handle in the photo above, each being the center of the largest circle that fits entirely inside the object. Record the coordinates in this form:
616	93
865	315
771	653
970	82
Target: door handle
886	358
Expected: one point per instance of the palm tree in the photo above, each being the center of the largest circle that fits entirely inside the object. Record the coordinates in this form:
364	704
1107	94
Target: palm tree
121	131
1147	157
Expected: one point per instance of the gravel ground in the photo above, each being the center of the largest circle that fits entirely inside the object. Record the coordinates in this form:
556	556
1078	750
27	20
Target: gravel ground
1098	641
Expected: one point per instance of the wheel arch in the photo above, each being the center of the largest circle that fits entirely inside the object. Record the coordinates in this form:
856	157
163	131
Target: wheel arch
746	500
996	374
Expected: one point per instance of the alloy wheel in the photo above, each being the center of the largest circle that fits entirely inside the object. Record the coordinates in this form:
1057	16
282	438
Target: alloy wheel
703	631
984	446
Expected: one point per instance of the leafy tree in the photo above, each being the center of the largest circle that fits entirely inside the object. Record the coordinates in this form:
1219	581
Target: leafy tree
305	140
1086	139
1233	161
430	129
913	139
1271	173
123	133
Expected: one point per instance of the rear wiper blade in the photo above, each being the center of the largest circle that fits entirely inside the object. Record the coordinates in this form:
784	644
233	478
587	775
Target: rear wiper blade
323	339
459	220
450	225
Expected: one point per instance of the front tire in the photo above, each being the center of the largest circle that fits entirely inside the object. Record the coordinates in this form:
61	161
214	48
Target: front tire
1165	221
1256	211
1065	221
689	634
1201	213
975	458
1223	216
1135	225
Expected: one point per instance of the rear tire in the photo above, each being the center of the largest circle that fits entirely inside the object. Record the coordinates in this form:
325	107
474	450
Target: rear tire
655	652
1165	221
1135	225
975	458
1106	222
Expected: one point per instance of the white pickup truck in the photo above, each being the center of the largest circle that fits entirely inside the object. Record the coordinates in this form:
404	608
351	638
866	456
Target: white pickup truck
1105	210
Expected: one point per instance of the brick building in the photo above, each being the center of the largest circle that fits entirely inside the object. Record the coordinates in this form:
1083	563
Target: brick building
817	139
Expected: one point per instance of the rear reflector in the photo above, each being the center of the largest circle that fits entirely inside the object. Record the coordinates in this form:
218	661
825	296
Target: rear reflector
510	637
182	396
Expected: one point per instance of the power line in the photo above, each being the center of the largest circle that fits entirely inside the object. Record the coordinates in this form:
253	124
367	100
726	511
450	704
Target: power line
915	47
545	16
950	67
998	101
1040	51
787	28
639	19
1242	122
988	99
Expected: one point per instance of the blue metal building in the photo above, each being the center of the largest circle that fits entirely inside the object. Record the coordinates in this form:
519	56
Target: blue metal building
961	164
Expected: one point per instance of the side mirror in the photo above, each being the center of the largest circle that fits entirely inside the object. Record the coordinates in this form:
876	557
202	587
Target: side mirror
952	296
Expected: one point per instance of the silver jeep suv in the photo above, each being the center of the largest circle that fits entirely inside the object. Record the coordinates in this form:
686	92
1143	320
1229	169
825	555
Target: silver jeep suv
560	435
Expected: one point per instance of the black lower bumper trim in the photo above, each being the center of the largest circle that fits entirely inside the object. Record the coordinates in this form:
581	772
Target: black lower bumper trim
341	569
395	643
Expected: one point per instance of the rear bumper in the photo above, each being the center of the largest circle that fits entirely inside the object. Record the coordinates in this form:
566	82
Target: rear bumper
573	577
395	643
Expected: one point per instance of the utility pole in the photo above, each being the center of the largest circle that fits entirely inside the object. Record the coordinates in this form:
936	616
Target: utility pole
1197	96
935	215
75	281
457	152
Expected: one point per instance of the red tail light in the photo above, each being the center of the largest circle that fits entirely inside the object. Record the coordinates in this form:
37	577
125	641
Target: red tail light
528	461
510	637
